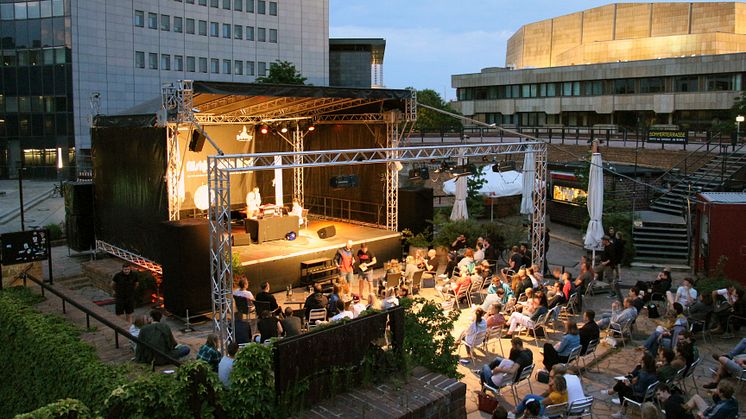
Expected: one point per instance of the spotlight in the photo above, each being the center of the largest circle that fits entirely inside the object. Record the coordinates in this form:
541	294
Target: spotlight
503	166
284	130
419	173
464	170
311	128
264	130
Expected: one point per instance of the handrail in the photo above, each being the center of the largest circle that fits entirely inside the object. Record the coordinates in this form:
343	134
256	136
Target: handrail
725	158
118	330
697	150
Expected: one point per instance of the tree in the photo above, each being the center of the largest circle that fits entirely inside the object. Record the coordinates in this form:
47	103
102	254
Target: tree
282	72
430	120
474	198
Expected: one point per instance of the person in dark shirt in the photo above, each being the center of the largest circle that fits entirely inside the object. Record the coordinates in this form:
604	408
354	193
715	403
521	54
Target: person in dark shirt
268	325
637	301
525	255
516	259
291	324
124	284
366	261
316	300
589	331
673	403
459	243
266	297
665	371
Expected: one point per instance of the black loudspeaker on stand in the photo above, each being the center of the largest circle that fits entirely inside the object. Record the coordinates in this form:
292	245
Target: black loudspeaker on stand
79	215
327	232
186	267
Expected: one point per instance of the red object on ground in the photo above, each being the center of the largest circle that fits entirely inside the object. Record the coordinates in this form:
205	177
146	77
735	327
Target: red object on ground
105	302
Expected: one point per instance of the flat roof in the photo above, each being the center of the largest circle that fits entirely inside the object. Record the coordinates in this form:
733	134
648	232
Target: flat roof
358	41
724	197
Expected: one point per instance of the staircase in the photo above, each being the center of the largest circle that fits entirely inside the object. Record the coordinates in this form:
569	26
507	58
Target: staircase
661	235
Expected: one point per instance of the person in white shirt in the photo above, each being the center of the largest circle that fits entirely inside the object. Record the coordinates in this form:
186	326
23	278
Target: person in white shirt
297	210
357	306
390	300
468	337
574	385
686	295
344	313
729	294
225	367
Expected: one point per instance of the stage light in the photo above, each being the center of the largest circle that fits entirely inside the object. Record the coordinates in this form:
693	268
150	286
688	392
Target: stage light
284	130
244	135
503	166
464	170
201	198
264	130
311	128
419	173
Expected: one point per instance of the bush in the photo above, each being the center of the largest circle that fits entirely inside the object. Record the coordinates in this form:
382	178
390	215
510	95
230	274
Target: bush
44	360
55	231
66	408
252	384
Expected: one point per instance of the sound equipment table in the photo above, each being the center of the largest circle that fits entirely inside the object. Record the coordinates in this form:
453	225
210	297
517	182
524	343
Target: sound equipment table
272	228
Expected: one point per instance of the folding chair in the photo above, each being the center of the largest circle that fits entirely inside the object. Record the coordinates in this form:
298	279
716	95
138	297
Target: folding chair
393	279
574	355
525	375
479	339
621	330
570	307
316	315
580	408
476	284
590	350
649	396
555	411
538	324
261	306
463	293
243	306
417	281
704	324
495	333
690	373
553	316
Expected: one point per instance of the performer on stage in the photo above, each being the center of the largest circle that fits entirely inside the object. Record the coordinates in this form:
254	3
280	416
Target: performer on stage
297	210
365	262
253	202
345	261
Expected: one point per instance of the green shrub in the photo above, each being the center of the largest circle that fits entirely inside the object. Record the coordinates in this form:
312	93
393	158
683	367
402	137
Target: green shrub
43	360
252	393
66	408
55	231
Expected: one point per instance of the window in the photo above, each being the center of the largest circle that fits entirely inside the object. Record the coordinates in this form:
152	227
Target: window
214	66
203	2
190	64
190	1
238	68
227	4
178	24
551	90
273	35
571	88
261	7
238	5
202	65
227	66
273	8
190	26
238	31
261	35
686	84
652	85
139	59
593	88
250	6
214	29
249	33
227	30
719	82
214	3
250	68
179	62
153	61
152	21
202	26
262	68
568	194
139	18
624	86
165	62
165	22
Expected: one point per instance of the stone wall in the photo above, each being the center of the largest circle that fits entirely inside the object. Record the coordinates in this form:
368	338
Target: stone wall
11	271
664	159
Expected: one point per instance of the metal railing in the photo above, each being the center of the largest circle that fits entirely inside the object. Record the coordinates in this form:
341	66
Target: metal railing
346	209
118	330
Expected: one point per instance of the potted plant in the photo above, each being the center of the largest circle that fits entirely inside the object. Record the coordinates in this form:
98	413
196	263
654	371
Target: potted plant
414	242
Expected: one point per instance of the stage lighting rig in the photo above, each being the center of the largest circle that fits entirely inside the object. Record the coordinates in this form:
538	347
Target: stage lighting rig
419	173
503	166
264	130
443	168
464	170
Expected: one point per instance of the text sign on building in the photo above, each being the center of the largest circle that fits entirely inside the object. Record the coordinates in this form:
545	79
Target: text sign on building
668	137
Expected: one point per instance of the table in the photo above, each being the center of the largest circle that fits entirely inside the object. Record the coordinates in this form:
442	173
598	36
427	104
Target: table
272	228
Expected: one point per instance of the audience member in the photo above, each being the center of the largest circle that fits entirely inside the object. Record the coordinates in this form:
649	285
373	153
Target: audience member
735	306
589	332
557	395
315	300
636	383
266	297
528	319
357	306
629	314
728	366
344	311
332	307
501	371
373	303
666	371
672	402
459	243
390	300
702	309
494	316
135	327
725	405
559	352
291	324
468	337
243	292
637	301
685	295
158	335
225	367
268	325
209	353
667	336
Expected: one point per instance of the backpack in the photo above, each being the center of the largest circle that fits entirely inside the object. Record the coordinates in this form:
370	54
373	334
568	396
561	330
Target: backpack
653	311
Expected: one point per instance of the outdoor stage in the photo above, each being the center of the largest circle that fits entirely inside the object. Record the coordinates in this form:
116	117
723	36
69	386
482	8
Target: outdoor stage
279	261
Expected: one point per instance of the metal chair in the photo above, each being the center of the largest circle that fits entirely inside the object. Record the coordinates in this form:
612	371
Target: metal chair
555	411
316	315
620	329
525	375
649	396
553	316
570	307
541	322
476	286
690	373
479	340
574	355
728	331
580	408
495	333
261	306
417	279
393	279
589	350
463	293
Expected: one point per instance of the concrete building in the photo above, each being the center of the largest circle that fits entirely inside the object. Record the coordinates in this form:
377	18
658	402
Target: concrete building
629	65
356	62
64	61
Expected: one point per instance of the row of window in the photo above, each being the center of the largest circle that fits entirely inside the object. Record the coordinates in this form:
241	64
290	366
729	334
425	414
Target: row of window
200	64
36	124
187	25
46	104
34	57
32	9
238	5
689	83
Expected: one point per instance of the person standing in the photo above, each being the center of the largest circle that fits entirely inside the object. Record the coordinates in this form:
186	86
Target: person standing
124	284
345	262
366	260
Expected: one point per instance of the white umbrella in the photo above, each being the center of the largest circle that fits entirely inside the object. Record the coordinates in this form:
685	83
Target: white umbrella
527	201
595	204
460	212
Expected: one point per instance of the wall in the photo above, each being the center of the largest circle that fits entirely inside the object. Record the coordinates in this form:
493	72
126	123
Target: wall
664	159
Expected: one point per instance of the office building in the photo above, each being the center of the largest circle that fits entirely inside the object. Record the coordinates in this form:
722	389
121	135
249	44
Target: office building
356	62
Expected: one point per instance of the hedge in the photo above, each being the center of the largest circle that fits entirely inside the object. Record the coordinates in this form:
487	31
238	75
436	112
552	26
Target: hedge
43	360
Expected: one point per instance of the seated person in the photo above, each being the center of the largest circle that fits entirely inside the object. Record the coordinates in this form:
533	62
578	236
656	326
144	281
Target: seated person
724	312
266	297
557	296
729	295
357	306
672	402
494	317
409	270
667	336
501	371
390	299
459	243
728	366
135	327
725	405
636	383
209	352
468	336
467	265
666	371
492	295
343	311
402	292
584	278
629	314
225	367
456	286
520	319
685	295
700	310
557	395
589	332
637	300
268	325
559	352
660	285
430	263
297	210
291	324
158	335
243	292
332	308
315	300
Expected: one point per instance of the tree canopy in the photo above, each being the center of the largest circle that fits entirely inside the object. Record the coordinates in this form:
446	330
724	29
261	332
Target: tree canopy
282	72
429	120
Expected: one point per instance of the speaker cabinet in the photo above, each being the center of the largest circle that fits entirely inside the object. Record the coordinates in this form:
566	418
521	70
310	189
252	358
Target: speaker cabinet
78	198
327	232
186	267
240	240
79	232
197	141
415	209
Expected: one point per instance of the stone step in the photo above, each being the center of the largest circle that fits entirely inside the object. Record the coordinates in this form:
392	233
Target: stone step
671	234
75	283
675	265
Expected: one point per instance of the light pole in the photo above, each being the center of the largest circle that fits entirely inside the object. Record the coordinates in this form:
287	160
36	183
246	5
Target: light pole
739	119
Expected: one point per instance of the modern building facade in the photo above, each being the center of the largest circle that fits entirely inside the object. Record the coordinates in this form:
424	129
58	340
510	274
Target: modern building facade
356	62
66	60
629	65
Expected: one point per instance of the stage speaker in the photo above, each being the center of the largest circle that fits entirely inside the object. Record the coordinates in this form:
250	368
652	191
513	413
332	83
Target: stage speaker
79	232
197	141
415	209
327	232
343	182
78	198
240	240
186	266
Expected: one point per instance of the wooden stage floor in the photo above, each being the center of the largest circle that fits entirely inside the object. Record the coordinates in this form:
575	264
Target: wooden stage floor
308	242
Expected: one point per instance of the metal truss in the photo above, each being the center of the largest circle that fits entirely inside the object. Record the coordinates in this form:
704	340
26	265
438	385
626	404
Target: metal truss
538	218
204	119
392	176
298	175
177	99
172	172
410	110
350	118
262	107
129	256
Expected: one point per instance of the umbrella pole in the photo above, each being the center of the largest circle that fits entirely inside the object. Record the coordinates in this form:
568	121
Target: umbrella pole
492	210
593	260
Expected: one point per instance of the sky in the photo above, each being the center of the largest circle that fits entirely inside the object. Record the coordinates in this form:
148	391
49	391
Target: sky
429	40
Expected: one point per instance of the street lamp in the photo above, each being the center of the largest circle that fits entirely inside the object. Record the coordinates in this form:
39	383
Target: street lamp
739	119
